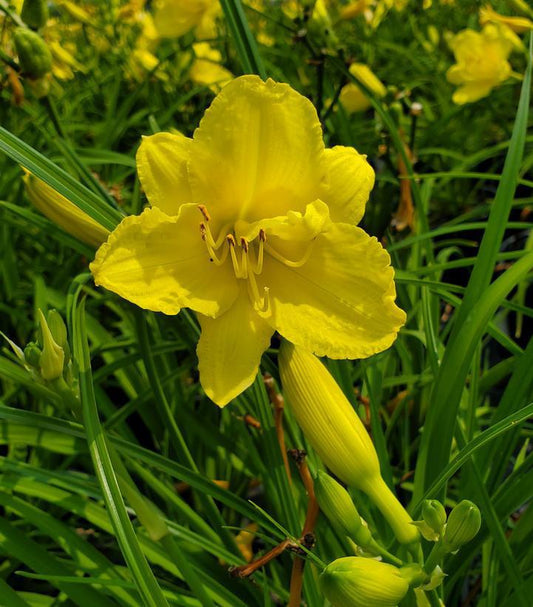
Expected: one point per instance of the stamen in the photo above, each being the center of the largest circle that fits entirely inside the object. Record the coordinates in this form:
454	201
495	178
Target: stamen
259	264
244	258
261	303
204	212
208	239
289	262
230	239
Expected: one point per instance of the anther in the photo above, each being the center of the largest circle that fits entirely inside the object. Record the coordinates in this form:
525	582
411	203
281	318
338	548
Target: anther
231	240
204	212
244	244
262	235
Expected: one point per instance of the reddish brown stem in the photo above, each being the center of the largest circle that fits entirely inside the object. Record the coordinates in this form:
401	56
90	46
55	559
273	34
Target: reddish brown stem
279	405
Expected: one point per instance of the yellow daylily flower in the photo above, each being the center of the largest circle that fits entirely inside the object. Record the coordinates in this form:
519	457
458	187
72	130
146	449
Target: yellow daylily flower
252	226
63	212
517	24
206	68
352	97
174	18
481	62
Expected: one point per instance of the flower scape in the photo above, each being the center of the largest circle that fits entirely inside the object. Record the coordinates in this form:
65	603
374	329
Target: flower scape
265	303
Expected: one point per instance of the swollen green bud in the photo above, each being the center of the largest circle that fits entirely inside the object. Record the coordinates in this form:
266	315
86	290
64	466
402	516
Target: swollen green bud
434	515
355	581
53	357
35	58
337	505
463	524
32	354
34	13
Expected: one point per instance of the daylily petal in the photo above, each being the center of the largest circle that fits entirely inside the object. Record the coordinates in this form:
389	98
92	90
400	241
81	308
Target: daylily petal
471	92
258	151
230	349
340	303
295	226
349	181
162	167
161	263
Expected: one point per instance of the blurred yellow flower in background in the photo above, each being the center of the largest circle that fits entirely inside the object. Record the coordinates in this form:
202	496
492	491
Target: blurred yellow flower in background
252	226
518	24
206	68
352	97
481	62
175	18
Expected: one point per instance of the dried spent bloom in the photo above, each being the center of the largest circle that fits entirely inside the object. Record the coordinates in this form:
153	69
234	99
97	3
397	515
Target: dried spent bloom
481	62
252	227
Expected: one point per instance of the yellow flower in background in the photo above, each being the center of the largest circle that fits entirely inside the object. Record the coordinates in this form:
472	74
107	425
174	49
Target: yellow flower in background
175	18
252	226
352	97
63	212
206	68
481	62
517	24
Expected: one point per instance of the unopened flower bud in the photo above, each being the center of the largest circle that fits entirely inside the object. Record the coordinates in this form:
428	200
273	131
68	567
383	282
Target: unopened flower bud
463	524
59	331
34	13
35	58
361	582
336	433
434	515
336	503
63	212
32	354
52	358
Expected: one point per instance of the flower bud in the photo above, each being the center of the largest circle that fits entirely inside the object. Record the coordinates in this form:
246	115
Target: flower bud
463	524
434	515
336	433
361	582
34	13
52	358
337	505
63	212
35	59
32	354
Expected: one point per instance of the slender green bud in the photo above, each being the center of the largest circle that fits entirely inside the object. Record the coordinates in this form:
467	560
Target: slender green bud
35	58
434	515
336	503
355	581
463	524
32	354
336	433
53	358
34	13
59	331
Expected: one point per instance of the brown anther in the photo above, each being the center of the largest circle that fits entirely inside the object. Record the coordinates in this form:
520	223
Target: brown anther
231	240
262	235
203	230
204	212
244	244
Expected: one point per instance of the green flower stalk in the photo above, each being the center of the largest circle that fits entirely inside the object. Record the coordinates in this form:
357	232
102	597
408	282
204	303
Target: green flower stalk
336	433
354	581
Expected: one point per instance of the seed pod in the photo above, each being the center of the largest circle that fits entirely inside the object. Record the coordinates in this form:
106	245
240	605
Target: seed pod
34	13
35	59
